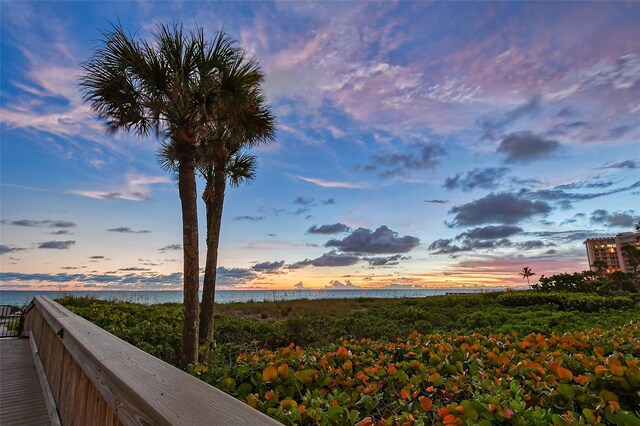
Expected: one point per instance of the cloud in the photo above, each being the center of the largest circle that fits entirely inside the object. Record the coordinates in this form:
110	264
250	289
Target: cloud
627	164
96	257
336	228
134	268
492	232
268	266
524	147
332	183
62	232
564	199
332	258
56	245
533	245
385	261
144	280
42	223
328	202
586	184
487	178
249	218
425	157
382	240
127	230
175	246
620	219
565	237
299	286
232	277
436	201
136	187
303	201
6	249
337	285
446	246
502	208
494	126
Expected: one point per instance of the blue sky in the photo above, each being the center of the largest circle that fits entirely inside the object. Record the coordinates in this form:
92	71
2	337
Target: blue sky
419	144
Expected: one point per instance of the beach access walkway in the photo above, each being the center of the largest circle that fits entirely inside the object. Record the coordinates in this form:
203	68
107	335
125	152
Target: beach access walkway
22	401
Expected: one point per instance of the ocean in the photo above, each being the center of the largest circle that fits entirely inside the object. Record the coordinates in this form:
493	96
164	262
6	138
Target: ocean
20	298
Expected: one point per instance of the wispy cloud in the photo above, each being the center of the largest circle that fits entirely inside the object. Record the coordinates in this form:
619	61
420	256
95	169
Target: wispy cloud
136	187
332	183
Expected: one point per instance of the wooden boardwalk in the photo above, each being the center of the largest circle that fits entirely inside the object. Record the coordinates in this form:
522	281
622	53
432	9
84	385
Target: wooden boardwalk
21	399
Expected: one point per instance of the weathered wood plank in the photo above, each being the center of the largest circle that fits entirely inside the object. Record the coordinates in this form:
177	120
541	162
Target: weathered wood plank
138	388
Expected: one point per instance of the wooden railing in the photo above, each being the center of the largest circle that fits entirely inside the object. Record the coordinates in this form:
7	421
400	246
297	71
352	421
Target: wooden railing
99	379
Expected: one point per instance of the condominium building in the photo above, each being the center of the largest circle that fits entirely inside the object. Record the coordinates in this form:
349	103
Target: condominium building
609	250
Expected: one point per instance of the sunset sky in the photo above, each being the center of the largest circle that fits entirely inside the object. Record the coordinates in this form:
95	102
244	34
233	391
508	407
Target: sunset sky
429	144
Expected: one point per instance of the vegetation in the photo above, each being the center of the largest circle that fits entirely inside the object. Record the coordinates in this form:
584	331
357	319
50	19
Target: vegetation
526	273
515	357
587	282
203	98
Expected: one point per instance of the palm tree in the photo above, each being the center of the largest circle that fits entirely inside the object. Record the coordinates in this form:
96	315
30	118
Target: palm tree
244	121
600	266
526	273
168	87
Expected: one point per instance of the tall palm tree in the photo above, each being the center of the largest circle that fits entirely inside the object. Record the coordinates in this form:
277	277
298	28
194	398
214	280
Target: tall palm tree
526	273
243	121
169	87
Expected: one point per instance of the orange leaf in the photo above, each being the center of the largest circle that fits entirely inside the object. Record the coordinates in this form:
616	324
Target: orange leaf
565	373
433	377
426	403
367	421
288	404
268	395
342	351
269	373
283	371
403	394
449	419
599	369
443	411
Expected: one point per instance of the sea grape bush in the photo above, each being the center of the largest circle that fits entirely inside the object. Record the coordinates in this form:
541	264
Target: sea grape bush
587	377
566	301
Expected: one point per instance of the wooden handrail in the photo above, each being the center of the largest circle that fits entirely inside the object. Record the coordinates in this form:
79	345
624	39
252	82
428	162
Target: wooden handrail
97	378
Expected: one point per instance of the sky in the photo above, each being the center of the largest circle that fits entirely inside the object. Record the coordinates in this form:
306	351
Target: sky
419	144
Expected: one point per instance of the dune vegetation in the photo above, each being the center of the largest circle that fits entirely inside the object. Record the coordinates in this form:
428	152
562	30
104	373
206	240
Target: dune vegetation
534	357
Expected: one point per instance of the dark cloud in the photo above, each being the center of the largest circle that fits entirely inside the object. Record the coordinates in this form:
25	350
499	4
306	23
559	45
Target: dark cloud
43	223
385	261
426	157
268	266
62	232
233	276
492	232
488	178
303	201
502	208
586	184
249	218
336	228
436	201
381	241
493	127
127	230
175	246
447	246
337	285
56	245
533	245
96	257
524	147
6	249
627	164
565	199
620	219
134	268
565	237
328	202
332	258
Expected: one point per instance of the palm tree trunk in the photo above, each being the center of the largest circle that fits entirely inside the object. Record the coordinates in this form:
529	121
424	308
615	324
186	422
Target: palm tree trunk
528	282
214	201
188	201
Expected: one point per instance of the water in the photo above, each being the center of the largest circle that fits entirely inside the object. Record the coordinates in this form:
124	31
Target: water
11	297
